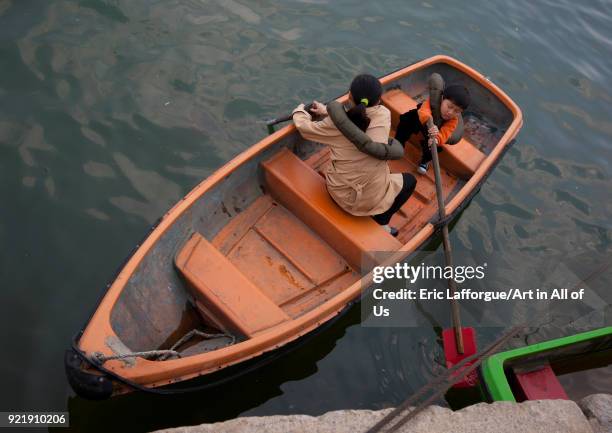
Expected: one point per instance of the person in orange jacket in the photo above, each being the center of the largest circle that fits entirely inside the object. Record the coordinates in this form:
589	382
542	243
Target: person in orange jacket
455	99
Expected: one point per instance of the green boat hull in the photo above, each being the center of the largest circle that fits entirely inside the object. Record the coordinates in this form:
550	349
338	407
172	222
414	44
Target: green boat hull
493	371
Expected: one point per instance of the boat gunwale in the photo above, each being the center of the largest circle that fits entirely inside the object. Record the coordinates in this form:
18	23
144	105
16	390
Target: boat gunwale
155	373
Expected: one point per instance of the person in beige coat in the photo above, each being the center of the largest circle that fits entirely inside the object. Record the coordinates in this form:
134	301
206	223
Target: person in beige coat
360	184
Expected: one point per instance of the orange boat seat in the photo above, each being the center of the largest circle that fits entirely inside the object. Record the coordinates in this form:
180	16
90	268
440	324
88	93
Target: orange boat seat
301	190
461	159
222	293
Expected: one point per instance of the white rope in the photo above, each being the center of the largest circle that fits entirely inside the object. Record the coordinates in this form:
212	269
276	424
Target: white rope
190	334
162	354
150	353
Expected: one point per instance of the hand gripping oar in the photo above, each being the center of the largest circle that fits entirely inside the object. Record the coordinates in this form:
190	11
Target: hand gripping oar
272	122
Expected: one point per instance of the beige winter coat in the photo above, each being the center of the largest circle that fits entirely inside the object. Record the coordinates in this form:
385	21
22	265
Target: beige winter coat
359	183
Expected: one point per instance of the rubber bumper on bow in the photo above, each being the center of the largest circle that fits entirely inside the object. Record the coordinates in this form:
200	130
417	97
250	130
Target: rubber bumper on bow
85	384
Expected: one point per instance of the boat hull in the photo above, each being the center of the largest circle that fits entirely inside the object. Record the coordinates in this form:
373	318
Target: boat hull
149	304
497	373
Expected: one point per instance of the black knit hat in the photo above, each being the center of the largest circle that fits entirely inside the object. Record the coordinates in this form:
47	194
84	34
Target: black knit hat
458	94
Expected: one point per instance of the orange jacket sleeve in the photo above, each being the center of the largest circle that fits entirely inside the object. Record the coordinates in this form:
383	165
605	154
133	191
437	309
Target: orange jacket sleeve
424	112
447	127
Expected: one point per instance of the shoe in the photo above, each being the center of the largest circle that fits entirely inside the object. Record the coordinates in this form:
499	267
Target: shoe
423	167
391	230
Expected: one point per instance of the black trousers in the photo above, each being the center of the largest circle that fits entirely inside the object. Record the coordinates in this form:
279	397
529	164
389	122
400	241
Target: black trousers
400	199
409	124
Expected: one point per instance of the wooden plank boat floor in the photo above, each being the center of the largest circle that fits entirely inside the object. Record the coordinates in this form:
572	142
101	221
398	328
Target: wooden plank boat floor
422	205
283	257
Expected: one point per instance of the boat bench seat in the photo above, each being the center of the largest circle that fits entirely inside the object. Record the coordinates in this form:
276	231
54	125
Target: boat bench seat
300	189
540	383
222	293
461	159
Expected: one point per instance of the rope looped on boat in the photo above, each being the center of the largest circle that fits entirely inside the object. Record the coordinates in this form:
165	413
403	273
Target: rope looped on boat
102	358
190	334
161	354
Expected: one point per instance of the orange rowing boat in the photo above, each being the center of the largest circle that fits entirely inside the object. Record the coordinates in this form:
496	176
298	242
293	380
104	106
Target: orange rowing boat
258	255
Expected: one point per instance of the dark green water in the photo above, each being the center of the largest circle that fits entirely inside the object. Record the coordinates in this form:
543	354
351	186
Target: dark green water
111	110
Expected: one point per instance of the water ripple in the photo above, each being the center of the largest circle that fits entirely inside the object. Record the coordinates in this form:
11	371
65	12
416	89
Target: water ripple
244	12
111	110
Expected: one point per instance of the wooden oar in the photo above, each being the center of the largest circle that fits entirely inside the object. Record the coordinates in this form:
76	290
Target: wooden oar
446	242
